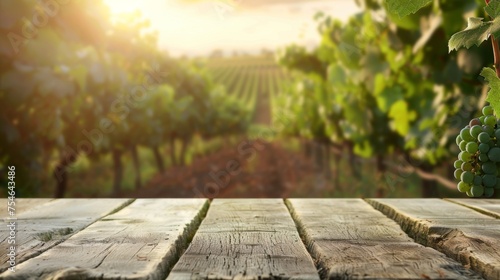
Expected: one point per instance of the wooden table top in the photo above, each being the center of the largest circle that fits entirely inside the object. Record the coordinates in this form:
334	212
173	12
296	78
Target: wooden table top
252	239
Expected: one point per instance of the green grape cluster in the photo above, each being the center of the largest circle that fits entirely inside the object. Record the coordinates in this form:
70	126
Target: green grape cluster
478	164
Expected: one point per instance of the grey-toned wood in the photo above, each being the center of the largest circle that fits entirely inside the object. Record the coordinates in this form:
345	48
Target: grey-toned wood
51	223
351	240
490	207
141	241
246	239
461	233
21	205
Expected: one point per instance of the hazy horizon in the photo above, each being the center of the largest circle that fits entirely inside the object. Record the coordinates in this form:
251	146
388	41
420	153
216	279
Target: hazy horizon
197	29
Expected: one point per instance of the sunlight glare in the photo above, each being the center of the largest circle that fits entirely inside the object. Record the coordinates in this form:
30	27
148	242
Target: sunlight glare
196	28
123	6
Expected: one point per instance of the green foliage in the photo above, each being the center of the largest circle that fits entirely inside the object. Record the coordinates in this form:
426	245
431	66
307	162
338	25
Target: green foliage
477	32
403	8
402	117
401	95
494	93
297	57
69	89
385	85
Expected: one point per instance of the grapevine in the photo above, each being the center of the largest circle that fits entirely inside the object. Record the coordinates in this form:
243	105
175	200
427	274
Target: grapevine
478	164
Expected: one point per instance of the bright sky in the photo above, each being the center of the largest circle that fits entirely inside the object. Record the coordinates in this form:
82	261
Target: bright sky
198	29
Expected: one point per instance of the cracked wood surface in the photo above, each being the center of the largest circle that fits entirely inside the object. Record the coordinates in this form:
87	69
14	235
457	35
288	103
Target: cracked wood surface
461	233
48	224
141	241
246	239
352	240
255	239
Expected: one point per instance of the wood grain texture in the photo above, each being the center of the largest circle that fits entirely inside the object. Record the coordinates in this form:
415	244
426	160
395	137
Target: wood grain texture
246	239
490	207
141	241
47	225
461	233
351	240
22	205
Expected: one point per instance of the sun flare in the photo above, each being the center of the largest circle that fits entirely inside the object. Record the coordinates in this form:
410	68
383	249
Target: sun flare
242	28
123	6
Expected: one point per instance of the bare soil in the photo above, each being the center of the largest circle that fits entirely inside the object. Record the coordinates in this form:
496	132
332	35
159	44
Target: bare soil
267	170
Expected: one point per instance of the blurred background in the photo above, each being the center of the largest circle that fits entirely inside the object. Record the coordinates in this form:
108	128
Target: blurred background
234	98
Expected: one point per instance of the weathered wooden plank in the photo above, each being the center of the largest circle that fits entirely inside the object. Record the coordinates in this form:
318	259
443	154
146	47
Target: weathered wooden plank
351	240
490	207
246	239
21	205
49	224
461	233
141	241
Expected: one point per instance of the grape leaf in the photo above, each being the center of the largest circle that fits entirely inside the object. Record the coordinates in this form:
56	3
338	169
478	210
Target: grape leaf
403	8
386	95
401	116
364	149
477	30
493	8
494	93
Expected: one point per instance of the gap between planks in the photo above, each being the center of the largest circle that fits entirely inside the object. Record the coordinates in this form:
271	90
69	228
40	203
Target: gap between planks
463	234
140	241
246	239
298	226
349	239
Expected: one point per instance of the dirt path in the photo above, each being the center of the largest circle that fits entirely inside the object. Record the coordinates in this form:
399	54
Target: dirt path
257	169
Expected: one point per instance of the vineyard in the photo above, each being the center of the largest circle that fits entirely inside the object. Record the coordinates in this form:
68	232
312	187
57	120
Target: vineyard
374	109
254	79
277	139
